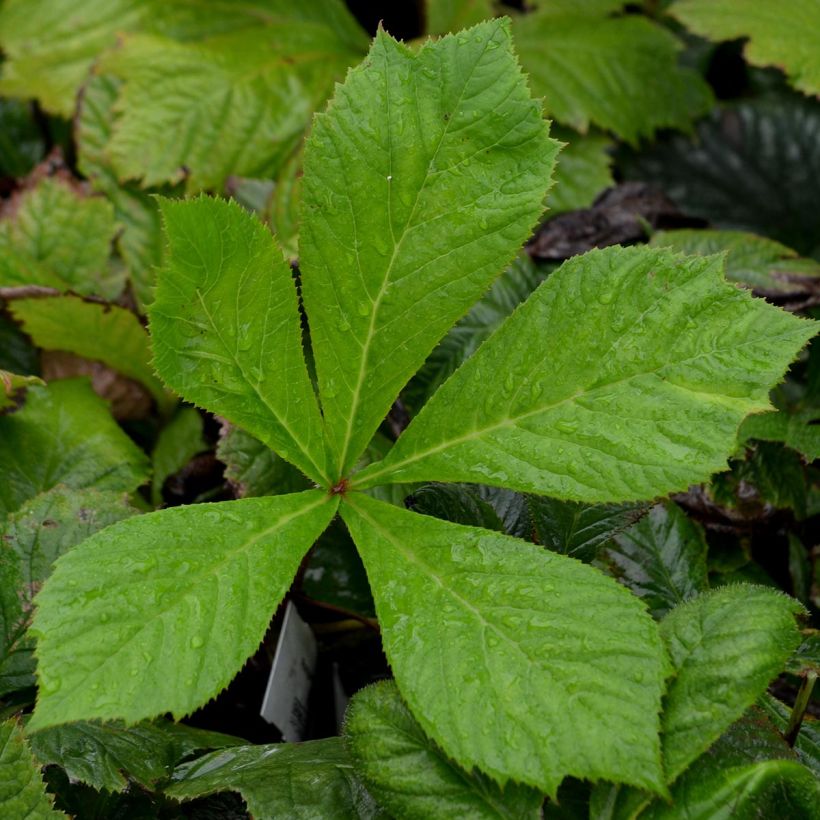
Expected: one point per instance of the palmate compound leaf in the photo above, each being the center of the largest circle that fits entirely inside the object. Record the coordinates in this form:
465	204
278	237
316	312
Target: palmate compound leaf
785	34
157	613
422	180
527	664
412	777
726	646
646	364
226	333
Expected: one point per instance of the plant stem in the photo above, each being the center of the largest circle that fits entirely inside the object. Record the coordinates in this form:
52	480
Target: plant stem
799	710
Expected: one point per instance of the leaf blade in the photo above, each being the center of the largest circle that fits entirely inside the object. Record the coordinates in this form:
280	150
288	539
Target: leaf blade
105	620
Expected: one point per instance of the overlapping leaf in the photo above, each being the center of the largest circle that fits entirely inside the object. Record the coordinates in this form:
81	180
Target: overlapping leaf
178	442
628	395
56	237
411	777
725	647
108	621
313	779
786	35
226	333
484	636
106	333
64	435
13	386
620	73
583	170
396	244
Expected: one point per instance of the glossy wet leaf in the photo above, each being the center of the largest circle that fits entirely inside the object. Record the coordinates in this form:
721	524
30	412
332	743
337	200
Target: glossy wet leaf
750	166
105	755
299	780
662	558
106	333
618	73
579	530
225	329
59	238
628	397
459	503
107	621
22	793
410	776
725	646
254	469
785	35
51	523
483	635
64	434
404	222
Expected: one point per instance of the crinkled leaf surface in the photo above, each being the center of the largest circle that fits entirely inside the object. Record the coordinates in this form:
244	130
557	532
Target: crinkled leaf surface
102	754
579	530
725	646
422	180
750	166
298	780
110	644
413	778
54	521
64	434
786	34
178	442
252	468
106	333
140	240
483	635
628	396
662	558
225	329
762	264
56	237
22	793
621	74
749	773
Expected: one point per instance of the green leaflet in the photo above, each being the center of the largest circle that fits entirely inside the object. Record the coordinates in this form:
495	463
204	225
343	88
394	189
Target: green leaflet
411	777
22	144
53	522
254	469
22	793
314	779
726	646
762	264
14	386
140	240
404	221
225	329
101	754
483	634
64	434
796	430
621	74
178	442
16	649
107	622
106	333
624	368
583	171
662	558
807	745
786	35
443	16
579	530
58	238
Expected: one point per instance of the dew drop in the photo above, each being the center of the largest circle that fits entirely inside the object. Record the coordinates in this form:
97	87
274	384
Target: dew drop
196	642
